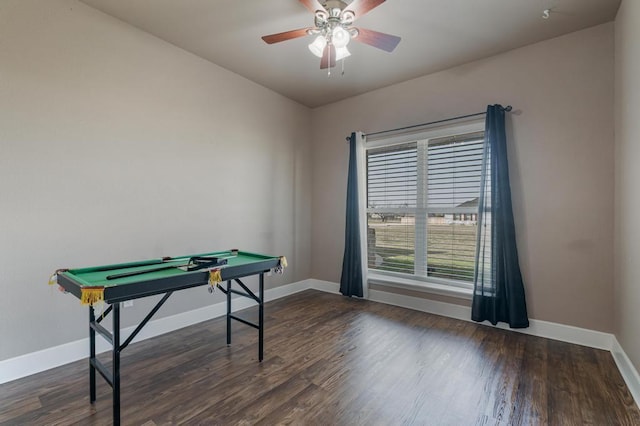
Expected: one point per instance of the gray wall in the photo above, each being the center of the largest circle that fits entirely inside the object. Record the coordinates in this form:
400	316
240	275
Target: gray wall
561	161
627	160
104	130
115	145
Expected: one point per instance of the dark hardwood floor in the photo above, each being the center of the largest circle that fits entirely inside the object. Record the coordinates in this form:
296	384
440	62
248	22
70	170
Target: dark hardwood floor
330	360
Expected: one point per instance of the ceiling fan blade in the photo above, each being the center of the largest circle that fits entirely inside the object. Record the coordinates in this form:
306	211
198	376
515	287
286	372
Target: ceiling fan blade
312	5
386	42
287	35
361	7
328	57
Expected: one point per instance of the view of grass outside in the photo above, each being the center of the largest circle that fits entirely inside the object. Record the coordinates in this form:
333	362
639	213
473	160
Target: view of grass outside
450	246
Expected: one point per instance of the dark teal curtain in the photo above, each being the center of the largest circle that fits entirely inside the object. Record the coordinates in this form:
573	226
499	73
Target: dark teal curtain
498	294
351	280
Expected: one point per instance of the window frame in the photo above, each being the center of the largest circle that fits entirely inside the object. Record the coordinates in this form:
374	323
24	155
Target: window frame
441	286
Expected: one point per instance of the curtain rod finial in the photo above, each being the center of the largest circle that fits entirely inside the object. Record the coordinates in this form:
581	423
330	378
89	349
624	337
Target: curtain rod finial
508	108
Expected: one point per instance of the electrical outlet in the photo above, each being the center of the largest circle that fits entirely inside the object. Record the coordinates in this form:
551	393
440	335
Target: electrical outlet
128	303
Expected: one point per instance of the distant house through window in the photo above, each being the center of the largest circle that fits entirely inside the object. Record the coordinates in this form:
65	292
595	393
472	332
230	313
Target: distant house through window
422	204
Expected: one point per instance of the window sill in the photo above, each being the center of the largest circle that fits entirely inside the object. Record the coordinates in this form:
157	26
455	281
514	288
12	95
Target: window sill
423	286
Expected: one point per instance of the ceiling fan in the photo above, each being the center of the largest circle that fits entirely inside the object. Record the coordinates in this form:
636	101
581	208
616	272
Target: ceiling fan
333	28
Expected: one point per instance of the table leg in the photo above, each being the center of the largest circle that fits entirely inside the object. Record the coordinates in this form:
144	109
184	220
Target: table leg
261	319
228	312
116	363
92	356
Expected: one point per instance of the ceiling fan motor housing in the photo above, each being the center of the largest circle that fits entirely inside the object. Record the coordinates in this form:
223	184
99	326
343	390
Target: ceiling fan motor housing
332	17
334	7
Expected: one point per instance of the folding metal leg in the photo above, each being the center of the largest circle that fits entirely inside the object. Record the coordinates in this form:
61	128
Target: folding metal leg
116	363
258	299
228	312
261	320
92	356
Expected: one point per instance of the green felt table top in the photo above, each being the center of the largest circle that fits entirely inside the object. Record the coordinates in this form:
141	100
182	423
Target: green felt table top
97	275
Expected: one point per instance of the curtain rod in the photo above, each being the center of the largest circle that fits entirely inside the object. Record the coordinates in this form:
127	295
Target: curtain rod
508	108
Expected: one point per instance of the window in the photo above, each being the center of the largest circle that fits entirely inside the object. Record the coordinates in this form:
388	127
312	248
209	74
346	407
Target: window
422	205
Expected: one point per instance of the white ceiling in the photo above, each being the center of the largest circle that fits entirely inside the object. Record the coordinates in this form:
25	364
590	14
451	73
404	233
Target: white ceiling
436	35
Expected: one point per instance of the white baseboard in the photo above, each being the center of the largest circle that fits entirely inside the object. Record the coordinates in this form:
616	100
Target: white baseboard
628	371
35	362
564	333
420	304
326	286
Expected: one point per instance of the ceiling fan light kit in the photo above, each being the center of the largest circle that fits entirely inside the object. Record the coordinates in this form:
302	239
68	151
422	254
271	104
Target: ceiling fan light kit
318	45
333	30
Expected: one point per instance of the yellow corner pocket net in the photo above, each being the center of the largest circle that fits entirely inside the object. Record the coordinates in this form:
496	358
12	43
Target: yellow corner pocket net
282	263
53	278
91	295
215	277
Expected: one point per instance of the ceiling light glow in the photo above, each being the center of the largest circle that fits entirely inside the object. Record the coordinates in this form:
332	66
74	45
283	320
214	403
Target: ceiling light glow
318	45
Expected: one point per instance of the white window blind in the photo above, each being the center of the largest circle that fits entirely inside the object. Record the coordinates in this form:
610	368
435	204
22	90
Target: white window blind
422	205
391	205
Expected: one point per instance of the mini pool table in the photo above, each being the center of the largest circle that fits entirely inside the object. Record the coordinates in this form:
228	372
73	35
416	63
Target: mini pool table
126	281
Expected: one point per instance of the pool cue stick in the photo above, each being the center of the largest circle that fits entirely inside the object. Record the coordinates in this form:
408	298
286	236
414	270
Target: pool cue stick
157	262
146	271
164	268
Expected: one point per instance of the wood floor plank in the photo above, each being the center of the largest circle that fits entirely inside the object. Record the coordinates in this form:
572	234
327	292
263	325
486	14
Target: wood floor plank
331	360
